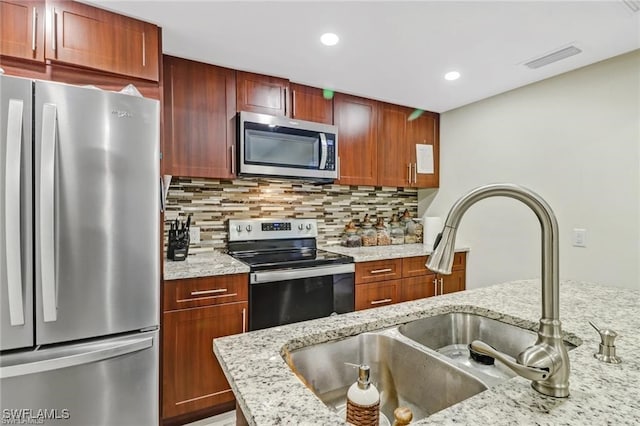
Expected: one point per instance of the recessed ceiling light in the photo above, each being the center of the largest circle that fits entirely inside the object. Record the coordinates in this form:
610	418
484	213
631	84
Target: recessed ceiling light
329	39
452	75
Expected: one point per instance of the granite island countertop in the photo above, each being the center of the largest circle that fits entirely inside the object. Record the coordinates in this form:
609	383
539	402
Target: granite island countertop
367	254
269	393
203	265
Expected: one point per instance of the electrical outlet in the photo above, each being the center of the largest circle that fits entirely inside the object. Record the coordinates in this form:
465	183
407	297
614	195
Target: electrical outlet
579	237
194	234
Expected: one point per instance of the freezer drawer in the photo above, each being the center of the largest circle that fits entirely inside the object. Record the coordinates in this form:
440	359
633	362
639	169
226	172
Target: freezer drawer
104	382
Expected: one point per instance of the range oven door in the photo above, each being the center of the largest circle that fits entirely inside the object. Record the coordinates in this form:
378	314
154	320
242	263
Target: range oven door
280	297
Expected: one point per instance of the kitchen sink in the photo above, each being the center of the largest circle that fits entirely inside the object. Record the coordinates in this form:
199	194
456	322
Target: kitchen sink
405	373
450	334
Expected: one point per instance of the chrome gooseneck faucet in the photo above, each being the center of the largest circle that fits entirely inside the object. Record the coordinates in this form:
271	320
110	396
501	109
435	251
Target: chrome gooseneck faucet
546	363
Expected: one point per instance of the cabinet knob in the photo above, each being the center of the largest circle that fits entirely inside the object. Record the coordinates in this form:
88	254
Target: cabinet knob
249	228
309	226
300	227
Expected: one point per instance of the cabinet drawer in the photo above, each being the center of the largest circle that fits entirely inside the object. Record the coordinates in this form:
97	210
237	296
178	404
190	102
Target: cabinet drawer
414	266
459	261
379	270
194	292
377	294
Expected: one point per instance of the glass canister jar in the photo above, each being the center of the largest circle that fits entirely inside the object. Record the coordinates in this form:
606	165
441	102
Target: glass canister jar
383	238
396	230
368	233
409	228
350	237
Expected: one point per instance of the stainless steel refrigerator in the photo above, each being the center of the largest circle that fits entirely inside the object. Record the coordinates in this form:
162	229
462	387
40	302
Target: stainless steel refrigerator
79	255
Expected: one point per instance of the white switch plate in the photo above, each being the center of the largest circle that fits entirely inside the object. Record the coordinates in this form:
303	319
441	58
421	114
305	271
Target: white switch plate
579	237
194	234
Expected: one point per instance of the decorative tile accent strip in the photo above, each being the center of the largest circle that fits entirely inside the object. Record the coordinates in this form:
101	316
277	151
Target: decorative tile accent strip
212	202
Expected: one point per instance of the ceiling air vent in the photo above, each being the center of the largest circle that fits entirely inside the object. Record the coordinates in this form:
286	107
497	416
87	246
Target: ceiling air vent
633	5
553	57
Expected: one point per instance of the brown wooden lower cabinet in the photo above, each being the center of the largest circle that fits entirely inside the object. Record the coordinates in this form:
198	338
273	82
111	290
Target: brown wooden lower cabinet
417	287
192	377
378	282
377	294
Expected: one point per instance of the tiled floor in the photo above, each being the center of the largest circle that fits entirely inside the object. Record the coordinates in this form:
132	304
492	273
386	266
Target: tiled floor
224	419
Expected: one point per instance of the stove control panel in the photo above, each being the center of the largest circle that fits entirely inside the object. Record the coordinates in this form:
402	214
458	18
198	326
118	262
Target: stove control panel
271	229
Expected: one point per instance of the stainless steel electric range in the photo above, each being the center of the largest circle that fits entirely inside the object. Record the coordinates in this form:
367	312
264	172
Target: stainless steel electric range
290	279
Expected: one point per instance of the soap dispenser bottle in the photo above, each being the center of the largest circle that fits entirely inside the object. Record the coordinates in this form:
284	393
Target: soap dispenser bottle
363	400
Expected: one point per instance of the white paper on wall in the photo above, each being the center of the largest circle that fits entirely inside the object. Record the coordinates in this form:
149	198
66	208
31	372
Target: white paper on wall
424	158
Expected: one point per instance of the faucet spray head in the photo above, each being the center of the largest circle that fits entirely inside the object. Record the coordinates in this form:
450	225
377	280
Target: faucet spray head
441	260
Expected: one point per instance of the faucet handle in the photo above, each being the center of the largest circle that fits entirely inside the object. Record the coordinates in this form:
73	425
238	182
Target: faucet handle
607	348
531	373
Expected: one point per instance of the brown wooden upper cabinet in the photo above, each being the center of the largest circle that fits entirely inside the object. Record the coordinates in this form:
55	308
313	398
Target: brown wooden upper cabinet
425	129
199	119
357	121
262	94
82	35
22	29
309	103
400	130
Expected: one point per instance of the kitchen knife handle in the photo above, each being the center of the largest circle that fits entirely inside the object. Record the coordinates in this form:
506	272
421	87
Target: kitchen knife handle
12	189
46	213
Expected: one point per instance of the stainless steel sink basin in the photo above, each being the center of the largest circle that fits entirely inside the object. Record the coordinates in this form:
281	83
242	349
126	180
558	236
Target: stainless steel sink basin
449	334
404	373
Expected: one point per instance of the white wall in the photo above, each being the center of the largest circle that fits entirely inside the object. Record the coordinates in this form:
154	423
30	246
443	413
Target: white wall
575	140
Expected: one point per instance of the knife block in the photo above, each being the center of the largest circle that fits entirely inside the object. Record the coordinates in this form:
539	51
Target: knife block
178	245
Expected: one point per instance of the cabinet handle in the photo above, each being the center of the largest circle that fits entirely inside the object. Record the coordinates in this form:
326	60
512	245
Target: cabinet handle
338	167
54	29
415	172
380	271
409	173
293	103
233	158
435	286
244	320
144	51
441	285
285	101
200	292
377	302
34	23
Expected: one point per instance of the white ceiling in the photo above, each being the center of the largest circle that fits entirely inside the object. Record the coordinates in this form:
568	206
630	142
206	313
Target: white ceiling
395	51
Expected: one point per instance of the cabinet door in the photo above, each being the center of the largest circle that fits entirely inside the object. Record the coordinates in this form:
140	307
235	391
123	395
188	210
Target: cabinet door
22	29
377	294
418	287
83	35
192	377
309	103
393	152
425	130
454	282
357	121
199	119
262	94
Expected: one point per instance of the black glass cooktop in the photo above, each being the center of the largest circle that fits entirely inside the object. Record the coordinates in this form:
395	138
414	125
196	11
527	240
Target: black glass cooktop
296	258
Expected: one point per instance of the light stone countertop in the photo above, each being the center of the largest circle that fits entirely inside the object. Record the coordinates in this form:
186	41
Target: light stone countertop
269	393
203	265
366	254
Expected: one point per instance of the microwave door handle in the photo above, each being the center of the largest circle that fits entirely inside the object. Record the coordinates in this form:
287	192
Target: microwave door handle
323	151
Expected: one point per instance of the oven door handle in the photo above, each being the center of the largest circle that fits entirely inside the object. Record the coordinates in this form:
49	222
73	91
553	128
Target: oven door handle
301	273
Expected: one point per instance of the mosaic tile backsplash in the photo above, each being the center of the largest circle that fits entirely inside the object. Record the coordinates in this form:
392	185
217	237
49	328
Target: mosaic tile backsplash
212	202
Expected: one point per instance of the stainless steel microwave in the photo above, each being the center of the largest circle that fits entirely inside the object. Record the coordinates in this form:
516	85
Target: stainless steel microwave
285	147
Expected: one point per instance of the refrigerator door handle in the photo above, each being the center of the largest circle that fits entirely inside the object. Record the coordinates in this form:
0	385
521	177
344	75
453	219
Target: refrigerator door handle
92	355
11	223
47	212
